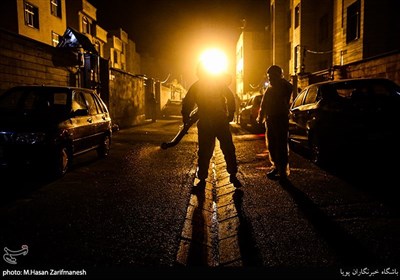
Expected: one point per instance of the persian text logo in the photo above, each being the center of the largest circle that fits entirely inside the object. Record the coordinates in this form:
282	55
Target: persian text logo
10	255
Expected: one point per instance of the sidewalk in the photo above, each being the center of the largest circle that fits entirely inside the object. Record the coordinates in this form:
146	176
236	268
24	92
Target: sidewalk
210	235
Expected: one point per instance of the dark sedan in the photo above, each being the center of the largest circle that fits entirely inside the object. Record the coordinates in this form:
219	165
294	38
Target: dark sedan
47	126
338	117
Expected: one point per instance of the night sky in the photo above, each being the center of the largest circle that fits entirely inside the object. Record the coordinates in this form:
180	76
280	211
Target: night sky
176	31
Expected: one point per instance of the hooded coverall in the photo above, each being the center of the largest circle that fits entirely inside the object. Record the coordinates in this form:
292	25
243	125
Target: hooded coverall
275	109
216	108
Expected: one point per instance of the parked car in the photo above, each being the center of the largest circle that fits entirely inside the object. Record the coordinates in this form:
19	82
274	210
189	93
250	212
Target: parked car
337	117
48	126
172	108
249	112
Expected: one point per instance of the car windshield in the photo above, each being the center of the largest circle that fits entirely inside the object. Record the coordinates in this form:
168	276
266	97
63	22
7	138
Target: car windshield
35	101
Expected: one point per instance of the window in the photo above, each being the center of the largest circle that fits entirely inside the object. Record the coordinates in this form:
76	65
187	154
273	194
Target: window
55	8
78	102
311	95
115	57
299	100
86	25
31	15
100	104
97	46
297	16
91	103
353	22
55	38
296	58
323	33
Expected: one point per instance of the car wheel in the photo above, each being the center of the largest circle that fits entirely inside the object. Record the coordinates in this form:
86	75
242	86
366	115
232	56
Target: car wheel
104	149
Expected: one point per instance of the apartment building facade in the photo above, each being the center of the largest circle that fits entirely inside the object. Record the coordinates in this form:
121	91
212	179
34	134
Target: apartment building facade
43	21
47	21
253	56
311	36
364	29
280	12
333	39
81	15
116	48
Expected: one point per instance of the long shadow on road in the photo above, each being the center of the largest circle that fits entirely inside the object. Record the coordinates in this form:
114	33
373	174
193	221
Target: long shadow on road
248	249
375	174
372	170
349	251
20	183
197	255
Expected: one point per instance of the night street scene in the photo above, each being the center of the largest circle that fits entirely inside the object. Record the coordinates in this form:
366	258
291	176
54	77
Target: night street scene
183	139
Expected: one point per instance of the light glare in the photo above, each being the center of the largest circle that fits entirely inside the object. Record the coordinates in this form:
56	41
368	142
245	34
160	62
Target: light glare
214	61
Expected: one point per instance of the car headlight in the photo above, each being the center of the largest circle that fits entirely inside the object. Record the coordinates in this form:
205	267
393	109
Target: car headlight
30	138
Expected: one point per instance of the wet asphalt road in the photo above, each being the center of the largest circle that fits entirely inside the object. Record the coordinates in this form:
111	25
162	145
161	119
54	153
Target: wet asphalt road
125	215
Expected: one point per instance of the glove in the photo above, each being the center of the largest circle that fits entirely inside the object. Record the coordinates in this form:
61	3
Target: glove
185	118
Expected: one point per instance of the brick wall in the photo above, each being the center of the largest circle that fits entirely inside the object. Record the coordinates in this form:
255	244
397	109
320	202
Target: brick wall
24	61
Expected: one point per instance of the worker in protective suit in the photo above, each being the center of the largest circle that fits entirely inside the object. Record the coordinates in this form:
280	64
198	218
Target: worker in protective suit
274	111
216	109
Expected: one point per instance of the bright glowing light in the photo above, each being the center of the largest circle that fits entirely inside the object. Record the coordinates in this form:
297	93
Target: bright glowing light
214	61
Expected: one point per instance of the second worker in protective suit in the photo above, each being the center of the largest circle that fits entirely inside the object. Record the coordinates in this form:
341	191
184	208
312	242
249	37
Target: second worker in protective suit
275	111
216	108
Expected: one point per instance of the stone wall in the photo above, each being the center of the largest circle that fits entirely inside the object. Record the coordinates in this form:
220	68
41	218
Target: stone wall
387	66
126	98
383	66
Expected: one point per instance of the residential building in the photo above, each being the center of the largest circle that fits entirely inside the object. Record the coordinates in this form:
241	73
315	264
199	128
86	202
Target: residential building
332	39
116	48
99	39
47	20
310	36
133	59
364	29
81	15
41	20
281	33
253	56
